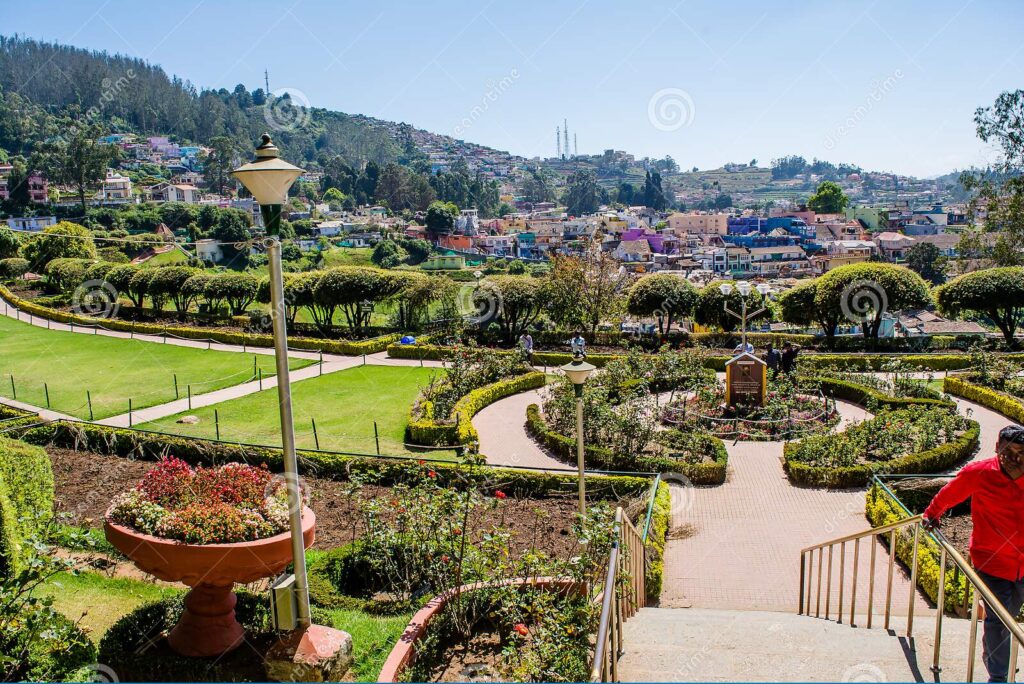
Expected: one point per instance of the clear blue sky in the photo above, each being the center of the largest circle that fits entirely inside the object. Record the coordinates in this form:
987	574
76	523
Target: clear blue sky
888	85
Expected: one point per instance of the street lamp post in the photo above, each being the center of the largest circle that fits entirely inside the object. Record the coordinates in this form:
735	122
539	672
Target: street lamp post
578	371
744	289
268	178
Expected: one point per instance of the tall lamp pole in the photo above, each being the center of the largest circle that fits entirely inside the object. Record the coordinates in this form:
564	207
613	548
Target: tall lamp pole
268	178
578	371
744	289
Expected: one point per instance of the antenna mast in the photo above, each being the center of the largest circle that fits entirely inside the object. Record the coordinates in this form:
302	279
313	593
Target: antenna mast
558	142
266	80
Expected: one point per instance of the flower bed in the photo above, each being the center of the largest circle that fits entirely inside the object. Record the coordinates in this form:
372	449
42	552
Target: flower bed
785	415
868	396
912	440
222	505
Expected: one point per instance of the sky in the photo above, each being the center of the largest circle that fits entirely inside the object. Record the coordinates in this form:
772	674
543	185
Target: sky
889	86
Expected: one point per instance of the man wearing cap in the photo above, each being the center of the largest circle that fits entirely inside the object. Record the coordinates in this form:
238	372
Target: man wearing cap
996	490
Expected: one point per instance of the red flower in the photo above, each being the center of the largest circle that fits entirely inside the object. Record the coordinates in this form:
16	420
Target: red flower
431	473
421	462
457	531
444	559
500	494
521	629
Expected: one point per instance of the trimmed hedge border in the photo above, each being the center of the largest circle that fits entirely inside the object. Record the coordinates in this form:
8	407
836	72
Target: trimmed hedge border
152	446
460	430
26	499
863	395
605	459
657	536
1000	402
346	348
881	510
934	460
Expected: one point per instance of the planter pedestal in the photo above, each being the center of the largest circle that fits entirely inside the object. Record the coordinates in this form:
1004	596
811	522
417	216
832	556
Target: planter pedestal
208	626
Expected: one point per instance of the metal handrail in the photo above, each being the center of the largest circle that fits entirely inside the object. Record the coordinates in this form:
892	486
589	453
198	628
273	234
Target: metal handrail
618	604
981	590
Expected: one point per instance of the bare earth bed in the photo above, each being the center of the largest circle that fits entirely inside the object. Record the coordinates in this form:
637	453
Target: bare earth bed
86	482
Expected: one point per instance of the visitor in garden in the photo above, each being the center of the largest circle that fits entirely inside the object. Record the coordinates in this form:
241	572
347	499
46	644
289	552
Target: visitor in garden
578	345
996	490
744	347
526	342
772	359
789	354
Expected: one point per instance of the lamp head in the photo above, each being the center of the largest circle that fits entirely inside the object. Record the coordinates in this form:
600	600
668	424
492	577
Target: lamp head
764	289
744	288
578	371
725	288
268	177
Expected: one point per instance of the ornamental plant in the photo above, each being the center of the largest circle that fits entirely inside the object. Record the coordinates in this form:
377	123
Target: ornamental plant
234	502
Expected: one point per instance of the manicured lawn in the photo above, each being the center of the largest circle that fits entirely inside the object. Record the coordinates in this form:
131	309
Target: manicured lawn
344	405
111	369
347	256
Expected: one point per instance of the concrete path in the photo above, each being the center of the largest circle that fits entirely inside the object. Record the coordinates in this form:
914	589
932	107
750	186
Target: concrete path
709	645
503	436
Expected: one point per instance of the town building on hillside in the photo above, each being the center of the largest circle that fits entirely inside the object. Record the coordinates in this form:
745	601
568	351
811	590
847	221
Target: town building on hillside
33	223
699	224
893	246
775	261
209	251
174	192
115	189
921	322
948	243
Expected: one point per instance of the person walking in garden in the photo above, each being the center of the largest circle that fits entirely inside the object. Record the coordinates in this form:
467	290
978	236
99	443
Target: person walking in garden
789	354
996	490
772	359
526	342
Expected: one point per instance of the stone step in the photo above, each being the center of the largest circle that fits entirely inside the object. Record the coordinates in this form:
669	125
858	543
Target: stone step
665	644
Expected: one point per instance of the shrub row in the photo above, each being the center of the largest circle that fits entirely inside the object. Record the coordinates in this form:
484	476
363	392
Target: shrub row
602	458
26	498
459	429
657	535
881	510
864	395
348	348
140	444
1000	402
934	460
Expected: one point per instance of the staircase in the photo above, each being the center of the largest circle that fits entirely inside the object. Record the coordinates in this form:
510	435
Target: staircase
701	644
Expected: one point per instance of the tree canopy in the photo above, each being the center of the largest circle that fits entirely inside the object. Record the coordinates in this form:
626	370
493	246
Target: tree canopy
997	293
862	293
662	295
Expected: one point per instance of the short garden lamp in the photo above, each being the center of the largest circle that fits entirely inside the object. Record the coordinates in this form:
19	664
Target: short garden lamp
578	371
268	178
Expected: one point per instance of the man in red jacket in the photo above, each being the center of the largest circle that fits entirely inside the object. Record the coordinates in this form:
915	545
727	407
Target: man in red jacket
996	489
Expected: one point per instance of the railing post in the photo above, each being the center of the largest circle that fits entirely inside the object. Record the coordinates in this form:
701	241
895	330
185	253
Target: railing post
803	562
913	583
842	575
940	605
828	582
888	586
821	558
853	589
871	578
1012	671
973	642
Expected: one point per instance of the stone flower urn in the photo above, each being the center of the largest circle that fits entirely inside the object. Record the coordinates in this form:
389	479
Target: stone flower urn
208	626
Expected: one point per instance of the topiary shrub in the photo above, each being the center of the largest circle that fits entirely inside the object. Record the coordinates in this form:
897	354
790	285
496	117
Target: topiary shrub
999	402
26	498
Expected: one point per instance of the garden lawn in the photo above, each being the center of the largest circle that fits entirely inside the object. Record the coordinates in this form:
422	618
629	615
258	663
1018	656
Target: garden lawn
347	256
112	370
344	404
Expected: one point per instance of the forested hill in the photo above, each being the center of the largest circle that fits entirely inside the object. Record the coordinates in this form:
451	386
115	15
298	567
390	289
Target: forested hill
131	95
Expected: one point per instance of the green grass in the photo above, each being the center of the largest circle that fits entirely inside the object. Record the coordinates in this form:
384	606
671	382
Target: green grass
111	369
100	601
171	256
347	256
344	405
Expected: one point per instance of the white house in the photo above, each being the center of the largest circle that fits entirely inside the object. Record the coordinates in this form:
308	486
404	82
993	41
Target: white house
209	251
32	222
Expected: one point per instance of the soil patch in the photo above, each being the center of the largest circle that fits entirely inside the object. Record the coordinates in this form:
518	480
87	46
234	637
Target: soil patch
86	482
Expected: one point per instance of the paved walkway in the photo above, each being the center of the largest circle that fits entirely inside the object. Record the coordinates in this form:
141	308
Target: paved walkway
503	436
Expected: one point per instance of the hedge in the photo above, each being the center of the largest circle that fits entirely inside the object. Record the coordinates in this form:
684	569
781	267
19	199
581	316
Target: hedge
344	347
459	430
864	395
26	498
139	444
1000	402
602	458
934	460
657	536
881	510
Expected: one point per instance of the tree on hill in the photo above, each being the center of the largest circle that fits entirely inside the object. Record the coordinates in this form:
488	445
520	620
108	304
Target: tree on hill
582	193
440	218
9	243
829	198
862	293
75	156
927	261
997	293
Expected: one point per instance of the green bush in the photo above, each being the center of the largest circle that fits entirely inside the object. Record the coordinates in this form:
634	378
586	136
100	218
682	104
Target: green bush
460	430
344	347
601	458
152	446
999	402
26	499
935	460
656	539
864	395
